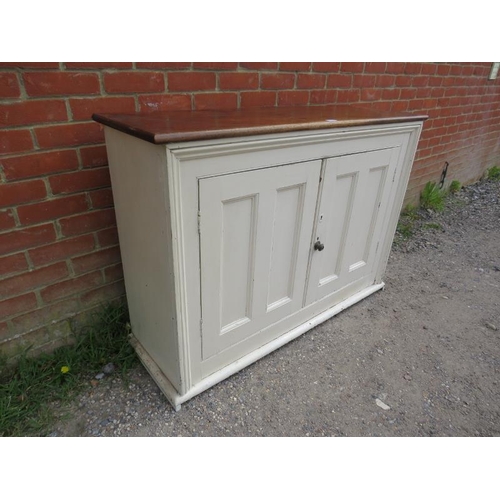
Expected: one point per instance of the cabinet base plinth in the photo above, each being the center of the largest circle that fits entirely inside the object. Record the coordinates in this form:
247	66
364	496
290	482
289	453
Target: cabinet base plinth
176	399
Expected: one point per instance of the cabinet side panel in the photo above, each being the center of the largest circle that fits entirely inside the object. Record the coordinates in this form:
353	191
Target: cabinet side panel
139	182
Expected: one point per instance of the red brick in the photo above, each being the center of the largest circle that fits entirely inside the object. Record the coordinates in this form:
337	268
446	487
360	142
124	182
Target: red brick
238	81
467	70
80	181
277	81
391	94
17	305
403	80
83	109
94	156
295	66
104	293
6	219
113	273
60	83
9	86
375	67
293	98
98	65
52	209
368	94
437	92
168	102
39	164
323	96
14	141
61	250
348	95
310	81
37	65
4	331
164	65
215	65
395	67
124	82
420	81
108	237
352	67
455	69
408	93
386	80
339	81
191	81
96	260
21	192
424	92
428	69
326	67
33	279
412	68
34	319
28	112
443	69
69	135
26	238
85	223
13	264
71	287
215	101
259	65
399	106
257	99
102	198
364	81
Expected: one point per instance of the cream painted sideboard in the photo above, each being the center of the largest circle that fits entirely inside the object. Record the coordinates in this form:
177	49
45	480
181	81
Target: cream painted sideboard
241	230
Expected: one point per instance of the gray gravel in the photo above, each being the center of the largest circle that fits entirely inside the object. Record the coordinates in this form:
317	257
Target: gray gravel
420	358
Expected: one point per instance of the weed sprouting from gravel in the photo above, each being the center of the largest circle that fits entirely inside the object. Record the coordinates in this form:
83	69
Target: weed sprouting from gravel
432	197
493	174
28	390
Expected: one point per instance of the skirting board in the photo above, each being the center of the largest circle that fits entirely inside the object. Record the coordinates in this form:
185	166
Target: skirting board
177	399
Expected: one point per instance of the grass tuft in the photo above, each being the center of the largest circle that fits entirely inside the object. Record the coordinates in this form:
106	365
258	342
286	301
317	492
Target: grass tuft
28	390
432	197
455	186
493	174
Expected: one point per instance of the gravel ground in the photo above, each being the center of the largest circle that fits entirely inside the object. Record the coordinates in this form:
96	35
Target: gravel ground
420	358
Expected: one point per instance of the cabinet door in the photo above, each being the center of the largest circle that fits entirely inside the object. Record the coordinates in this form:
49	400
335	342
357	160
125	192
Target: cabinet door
355	193
255	236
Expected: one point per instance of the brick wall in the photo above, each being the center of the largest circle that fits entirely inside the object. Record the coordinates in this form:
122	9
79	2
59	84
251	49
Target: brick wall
59	254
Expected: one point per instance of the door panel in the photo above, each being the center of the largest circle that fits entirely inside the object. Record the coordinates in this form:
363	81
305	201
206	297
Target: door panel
254	243
354	195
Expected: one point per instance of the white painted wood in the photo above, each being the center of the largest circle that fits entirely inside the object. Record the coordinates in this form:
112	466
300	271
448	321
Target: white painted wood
143	218
255	233
217	240
354	196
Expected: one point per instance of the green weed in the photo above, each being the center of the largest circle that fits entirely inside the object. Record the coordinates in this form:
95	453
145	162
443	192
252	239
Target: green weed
432	197
28	390
493	174
455	186
432	225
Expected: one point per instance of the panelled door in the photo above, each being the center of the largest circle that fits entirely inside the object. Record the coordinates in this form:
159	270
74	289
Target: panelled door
354	197
255	238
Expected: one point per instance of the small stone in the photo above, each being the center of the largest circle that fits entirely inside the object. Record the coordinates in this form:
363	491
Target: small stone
407	376
491	326
382	405
445	297
425	327
99	376
109	369
94	383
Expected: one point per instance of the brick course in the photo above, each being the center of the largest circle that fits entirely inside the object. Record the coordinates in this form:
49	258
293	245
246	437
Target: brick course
59	254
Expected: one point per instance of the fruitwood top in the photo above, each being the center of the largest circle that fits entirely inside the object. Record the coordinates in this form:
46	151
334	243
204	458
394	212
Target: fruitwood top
181	126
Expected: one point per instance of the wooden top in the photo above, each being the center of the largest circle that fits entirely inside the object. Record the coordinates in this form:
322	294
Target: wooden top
180	126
